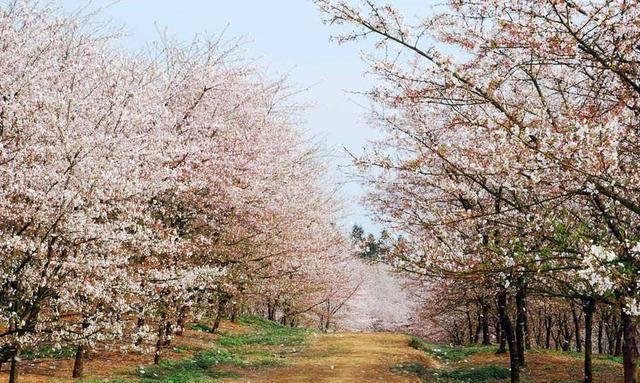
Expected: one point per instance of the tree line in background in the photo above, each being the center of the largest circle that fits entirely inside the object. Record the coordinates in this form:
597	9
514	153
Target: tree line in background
142	191
510	166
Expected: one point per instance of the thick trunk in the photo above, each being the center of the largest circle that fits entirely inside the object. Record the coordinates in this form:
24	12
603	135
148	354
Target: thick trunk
628	352
589	307
180	323
168	334
216	323
502	340
15	360
520	326
78	364
159	343
139	325
508	333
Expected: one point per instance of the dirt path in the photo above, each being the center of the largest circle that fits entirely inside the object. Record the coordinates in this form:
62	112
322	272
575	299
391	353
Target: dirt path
343	358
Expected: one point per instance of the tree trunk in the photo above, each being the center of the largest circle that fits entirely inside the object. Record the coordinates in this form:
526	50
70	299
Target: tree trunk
589	307
486	336
469	323
139	325
548	324
520	326
168	333
502	340
600	337
628	352
618	343
222	301
508	333
160	342
180	323
15	360
78	364
576	324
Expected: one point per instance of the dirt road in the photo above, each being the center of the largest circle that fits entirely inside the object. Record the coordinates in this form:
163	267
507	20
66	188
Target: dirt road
343	358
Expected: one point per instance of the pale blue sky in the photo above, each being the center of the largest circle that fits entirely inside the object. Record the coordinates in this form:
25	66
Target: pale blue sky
287	36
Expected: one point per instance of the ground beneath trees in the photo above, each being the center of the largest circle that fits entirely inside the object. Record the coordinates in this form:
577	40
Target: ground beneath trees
259	351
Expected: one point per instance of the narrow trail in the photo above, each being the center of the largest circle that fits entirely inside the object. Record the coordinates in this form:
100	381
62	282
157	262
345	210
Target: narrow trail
343	358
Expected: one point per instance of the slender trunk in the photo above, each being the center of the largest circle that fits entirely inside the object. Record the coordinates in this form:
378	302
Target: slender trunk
576	324
15	360
508	332
486	337
628	352
589	307
520	326
618	343
527	332
548	324
600	337
469	323
78	364
216	324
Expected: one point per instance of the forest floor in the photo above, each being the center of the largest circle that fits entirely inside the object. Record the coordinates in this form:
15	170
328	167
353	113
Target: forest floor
258	351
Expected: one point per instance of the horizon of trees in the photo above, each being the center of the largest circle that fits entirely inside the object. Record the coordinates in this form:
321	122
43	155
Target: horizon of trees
510	164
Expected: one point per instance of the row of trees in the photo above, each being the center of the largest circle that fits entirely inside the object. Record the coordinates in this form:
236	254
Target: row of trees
142	191
511	160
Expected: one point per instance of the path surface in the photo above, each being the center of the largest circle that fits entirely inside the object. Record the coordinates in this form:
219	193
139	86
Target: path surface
343	358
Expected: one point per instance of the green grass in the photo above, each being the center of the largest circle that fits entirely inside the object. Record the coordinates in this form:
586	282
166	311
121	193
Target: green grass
199	369
448	353
266	333
239	350
49	352
575	354
489	373
200	327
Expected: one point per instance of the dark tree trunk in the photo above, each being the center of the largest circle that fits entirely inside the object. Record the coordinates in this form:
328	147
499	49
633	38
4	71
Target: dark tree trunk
15	360
520	326
576	324
486	336
469	323
502	341
600	337
628	352
508	333
78	364
589	307
618	343
548	324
